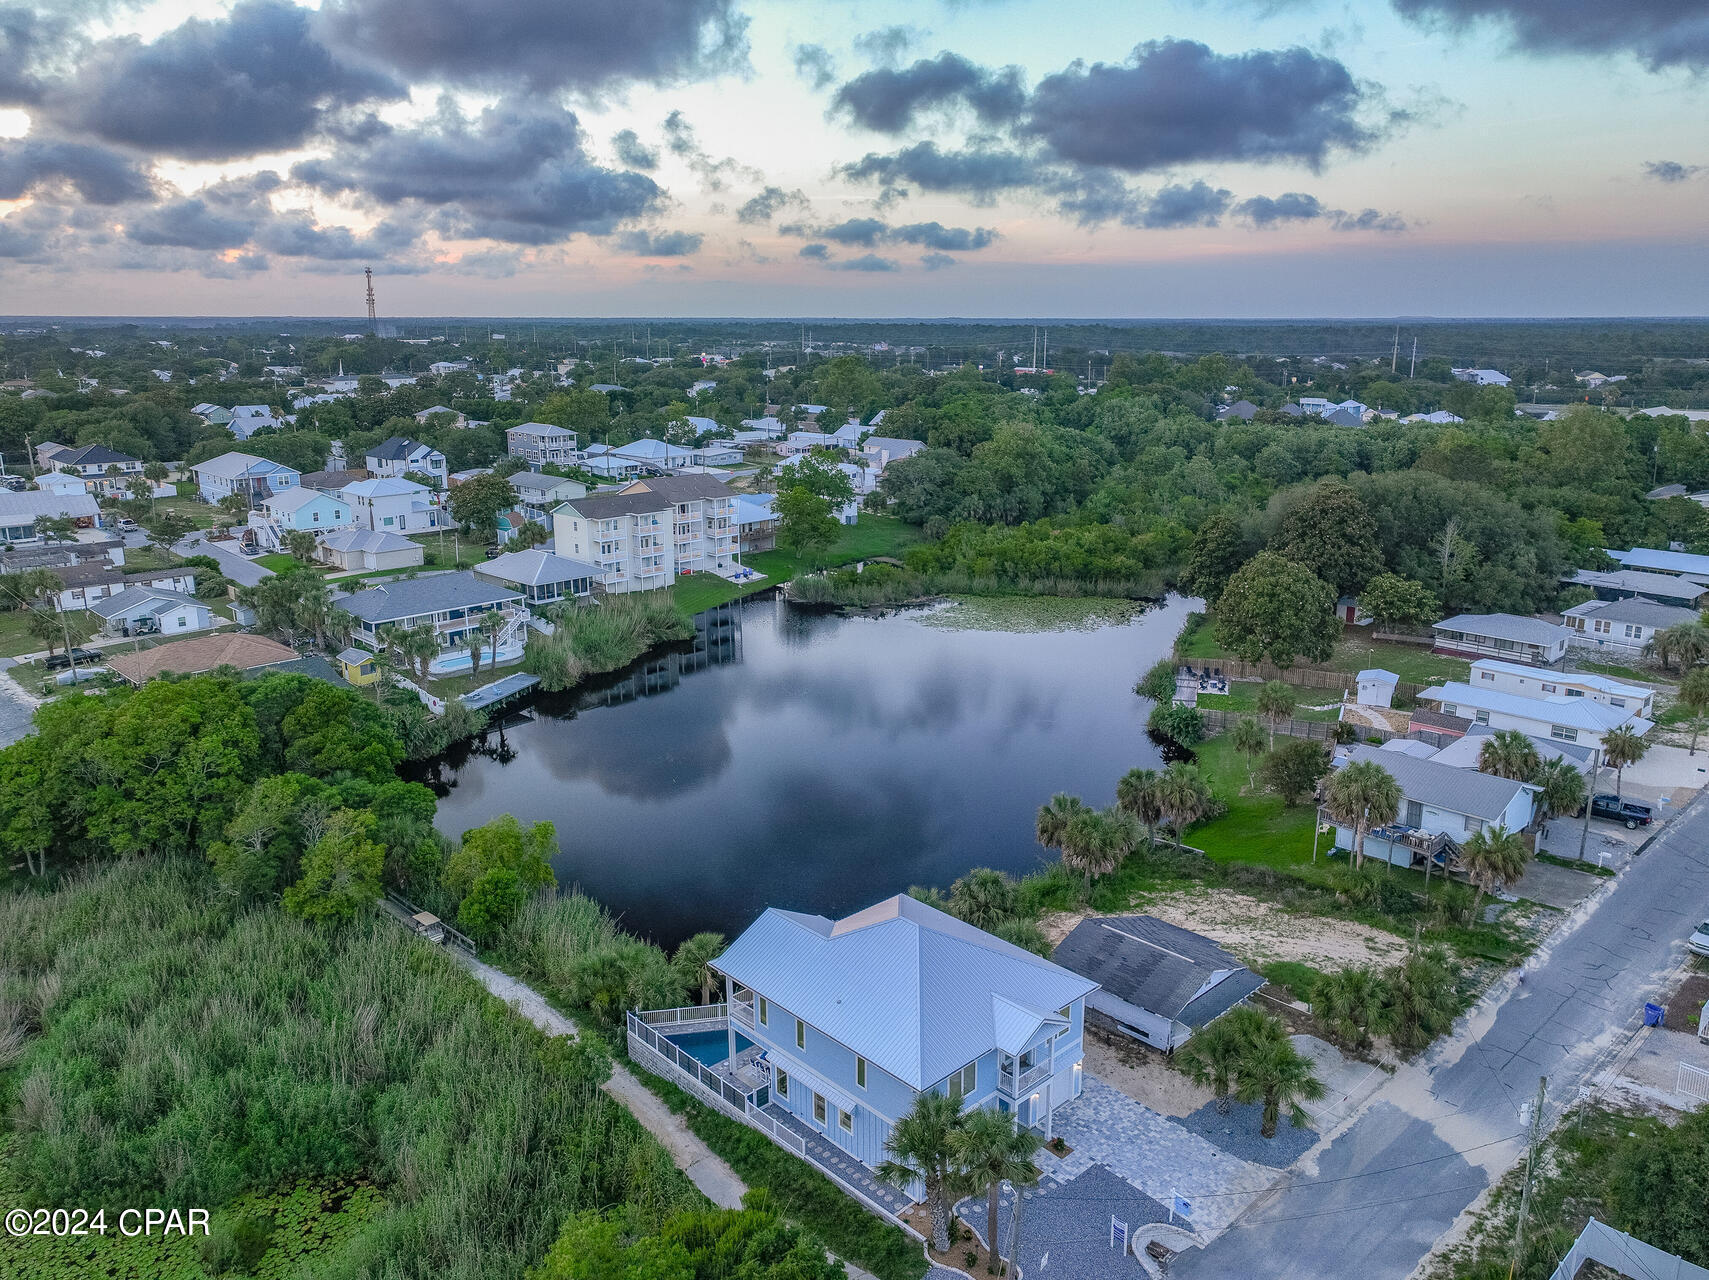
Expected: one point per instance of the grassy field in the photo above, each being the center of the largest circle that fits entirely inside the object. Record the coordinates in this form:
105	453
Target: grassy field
15	637
1258	828
1243	696
872	536
1412	663
189	504
1614	671
453	551
282	562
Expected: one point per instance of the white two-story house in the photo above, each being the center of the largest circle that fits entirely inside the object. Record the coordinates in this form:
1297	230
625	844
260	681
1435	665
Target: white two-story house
393	506
399	456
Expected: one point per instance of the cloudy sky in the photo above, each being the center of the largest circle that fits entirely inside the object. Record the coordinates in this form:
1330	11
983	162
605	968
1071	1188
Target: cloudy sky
934	157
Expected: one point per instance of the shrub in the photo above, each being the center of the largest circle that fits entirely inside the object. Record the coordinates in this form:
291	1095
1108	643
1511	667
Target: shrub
1182	725
1158	684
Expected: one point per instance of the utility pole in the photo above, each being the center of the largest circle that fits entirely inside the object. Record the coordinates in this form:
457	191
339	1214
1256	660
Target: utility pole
1413	367
1394	360
1590	795
1530	1172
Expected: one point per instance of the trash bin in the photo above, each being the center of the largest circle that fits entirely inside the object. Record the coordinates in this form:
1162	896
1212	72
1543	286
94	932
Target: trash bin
1654	1015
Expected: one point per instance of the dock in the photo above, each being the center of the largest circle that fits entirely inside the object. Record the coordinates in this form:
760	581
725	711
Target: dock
490	695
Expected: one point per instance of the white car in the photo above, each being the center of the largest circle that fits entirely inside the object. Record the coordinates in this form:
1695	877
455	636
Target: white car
1699	941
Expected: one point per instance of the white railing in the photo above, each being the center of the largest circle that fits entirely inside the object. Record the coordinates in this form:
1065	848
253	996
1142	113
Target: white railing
688	1013
1033	1075
776	1132
1693	1082
743	1014
686	1068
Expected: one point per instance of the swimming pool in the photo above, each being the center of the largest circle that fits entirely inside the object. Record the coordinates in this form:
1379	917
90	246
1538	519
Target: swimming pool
708	1047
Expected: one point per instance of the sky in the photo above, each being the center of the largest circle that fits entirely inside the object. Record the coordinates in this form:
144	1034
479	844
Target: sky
1032	158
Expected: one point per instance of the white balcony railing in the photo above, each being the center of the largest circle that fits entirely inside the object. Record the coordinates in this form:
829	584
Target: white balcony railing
1018	1086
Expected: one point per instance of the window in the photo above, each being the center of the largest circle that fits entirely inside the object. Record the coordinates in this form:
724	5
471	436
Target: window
860	1072
1474	825
800	1034
1449	709
1548	688
782	1083
1600	626
1617	702
1633	632
964	1081
1575	693
845	1121
1486	675
818	1108
765	1012
1564	734
387	520
1483	717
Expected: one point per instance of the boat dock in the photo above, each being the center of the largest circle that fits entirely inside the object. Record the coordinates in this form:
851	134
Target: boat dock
490	695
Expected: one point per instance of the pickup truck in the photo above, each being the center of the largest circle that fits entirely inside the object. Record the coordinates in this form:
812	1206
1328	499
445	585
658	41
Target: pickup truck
1615	809
60	661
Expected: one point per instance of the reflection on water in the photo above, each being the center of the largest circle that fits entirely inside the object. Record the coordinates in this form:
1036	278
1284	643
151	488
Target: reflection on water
814	761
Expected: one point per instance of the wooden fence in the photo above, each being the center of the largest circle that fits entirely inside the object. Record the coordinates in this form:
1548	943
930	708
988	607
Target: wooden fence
1218	720
1304	677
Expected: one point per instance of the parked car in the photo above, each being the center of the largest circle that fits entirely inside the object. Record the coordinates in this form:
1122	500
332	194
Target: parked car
126	525
1615	809
60	661
1699	941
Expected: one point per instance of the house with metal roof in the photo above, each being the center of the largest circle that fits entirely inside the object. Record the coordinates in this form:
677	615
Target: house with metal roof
832	1027
1156	981
388	505
1501	635
1693	566
369	549
1628	584
539	443
19	512
1441	807
1560	717
1466	752
258	478
1623	628
1531	682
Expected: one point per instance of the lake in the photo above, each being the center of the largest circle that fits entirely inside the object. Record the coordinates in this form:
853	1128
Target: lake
809	760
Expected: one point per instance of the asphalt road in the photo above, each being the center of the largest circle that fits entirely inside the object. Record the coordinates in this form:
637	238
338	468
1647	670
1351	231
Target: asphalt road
244	572
1389	1184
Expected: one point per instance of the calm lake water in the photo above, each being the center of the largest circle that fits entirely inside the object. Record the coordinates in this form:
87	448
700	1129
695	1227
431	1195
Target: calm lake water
817	762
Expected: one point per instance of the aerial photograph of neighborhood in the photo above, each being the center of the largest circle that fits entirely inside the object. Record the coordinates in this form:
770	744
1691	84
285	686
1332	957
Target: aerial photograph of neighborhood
908	640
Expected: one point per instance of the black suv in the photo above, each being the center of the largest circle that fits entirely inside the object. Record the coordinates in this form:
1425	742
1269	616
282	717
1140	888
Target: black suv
60	661
1633	815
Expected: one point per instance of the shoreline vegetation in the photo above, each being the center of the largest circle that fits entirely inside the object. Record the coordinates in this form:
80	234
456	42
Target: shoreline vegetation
593	641
882	585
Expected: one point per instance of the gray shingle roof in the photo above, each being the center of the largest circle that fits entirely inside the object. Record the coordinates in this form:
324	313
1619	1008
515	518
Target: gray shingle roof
533	567
90	455
1156	966
437	593
397	449
1640	613
1441	786
1504	626
112	606
365	540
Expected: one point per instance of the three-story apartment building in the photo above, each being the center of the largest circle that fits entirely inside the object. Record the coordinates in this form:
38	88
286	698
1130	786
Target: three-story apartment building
540	443
646	533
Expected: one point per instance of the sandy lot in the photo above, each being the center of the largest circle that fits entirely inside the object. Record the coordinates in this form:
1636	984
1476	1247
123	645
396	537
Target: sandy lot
1141	1074
1259	932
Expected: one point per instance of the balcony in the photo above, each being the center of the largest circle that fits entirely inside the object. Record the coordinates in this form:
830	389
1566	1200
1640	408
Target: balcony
1019	1086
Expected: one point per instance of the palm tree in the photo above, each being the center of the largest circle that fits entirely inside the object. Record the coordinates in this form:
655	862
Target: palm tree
1096	841
1275	703
983	897
1694	697
1184	796
1621	747
693	963
1507	753
300	543
1560	788
1136	794
473	644
920	1149
1687	641
1212	1056
1362	795
991	1149
421	647
1054	817
1421	998
1247	737
1492	857
1275	1073
314	608
1351	1001
491	625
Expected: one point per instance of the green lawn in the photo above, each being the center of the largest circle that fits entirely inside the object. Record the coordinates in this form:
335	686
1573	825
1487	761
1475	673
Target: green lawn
1413	663
1614	671
15	637
189	505
1258	828
1243	696
873	536
282	562
451	550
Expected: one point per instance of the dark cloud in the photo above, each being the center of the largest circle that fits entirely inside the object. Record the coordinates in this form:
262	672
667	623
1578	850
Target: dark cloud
296	234
632	152
814	64
1670	170
30	233
1659	33
1196	205
517	173
1290	206
820	252
865	232
867	262
1366	220
28	40
98	175
979	173
768	204
255	80
887	100
714	175
191	224
934	235
660	244
887	44
1092	197
1177	102
936	261
580	45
